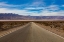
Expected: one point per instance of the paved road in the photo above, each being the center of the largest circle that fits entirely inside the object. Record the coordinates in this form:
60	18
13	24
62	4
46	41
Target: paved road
31	33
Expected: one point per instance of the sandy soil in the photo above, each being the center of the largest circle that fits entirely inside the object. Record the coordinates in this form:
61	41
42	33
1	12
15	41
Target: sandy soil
54	30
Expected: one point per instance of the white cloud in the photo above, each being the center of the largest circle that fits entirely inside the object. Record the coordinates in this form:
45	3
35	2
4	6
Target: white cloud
62	5
25	12
45	12
37	4
4	4
17	11
53	7
33	8
48	13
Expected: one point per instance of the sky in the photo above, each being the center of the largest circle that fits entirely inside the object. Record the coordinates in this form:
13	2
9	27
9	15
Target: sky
33	7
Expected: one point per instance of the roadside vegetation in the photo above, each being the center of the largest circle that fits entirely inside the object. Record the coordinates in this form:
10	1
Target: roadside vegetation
9	25
53	24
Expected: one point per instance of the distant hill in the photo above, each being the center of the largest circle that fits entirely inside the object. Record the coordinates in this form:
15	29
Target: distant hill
11	16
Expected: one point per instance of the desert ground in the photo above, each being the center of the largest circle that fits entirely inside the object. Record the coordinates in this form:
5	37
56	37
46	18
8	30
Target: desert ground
36	31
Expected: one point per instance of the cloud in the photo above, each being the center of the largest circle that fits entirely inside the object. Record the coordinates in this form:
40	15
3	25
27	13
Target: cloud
51	10
17	11
33	4
6	5
44	12
53	7
48	13
32	8
37	4
62	5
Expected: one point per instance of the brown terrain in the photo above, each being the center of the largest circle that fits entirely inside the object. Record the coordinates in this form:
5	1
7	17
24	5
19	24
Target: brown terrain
31	33
36	31
56	27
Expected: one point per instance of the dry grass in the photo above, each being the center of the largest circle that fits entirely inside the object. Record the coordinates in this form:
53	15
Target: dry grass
10	24
53	26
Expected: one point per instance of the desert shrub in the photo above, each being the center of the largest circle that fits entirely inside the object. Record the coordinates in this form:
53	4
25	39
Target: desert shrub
1	24
53	24
8	25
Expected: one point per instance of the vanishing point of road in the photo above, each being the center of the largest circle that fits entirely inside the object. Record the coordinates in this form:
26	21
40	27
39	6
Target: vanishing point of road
31	33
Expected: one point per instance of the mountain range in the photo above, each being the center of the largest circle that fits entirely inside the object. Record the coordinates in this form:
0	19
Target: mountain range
11	16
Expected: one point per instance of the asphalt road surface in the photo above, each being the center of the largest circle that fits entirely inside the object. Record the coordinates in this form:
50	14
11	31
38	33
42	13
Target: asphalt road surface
31	33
